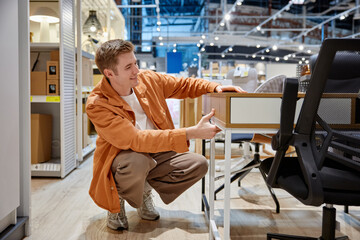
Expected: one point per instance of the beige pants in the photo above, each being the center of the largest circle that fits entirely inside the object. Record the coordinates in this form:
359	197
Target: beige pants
169	173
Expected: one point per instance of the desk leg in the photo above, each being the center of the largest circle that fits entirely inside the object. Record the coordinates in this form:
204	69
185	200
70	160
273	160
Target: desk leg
227	184
213	232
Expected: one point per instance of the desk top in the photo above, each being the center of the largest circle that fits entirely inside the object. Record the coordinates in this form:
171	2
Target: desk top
262	110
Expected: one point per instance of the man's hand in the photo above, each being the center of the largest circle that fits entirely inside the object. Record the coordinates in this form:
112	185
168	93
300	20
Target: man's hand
221	89
204	129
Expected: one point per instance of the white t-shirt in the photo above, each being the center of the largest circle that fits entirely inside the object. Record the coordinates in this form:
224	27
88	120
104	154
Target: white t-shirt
142	121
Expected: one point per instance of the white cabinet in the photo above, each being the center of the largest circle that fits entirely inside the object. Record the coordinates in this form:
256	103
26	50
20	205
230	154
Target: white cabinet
61	107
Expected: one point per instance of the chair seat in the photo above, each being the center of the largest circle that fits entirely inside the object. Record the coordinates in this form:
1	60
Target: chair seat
239	137
335	191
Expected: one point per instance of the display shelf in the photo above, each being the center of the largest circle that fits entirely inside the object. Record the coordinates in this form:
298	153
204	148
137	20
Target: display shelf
51	168
37	46
88	149
87	55
44	99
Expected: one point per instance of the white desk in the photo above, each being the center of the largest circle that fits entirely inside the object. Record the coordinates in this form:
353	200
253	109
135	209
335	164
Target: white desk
260	113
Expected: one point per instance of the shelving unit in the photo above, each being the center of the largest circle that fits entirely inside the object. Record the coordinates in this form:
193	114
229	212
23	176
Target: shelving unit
61	107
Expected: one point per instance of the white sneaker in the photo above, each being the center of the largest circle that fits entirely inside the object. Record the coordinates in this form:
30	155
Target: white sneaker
118	221
147	210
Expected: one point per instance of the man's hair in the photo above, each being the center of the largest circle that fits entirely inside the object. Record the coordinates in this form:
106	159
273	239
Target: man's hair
107	53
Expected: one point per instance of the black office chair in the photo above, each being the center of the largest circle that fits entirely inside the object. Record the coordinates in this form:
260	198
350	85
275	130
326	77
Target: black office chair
344	75
317	175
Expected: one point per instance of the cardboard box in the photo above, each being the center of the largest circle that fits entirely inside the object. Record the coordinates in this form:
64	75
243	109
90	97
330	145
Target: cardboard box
87	72
52	70
52	87
38	83
97	78
41	138
55	55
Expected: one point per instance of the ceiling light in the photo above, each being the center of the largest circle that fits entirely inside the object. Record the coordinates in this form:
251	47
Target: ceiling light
161	43
293	55
253	56
286	58
301	47
158	29
160	38
303	59
174	45
216	38
262	58
174	50
267	50
307	61
203	36
309	51
342	17
222	55
222	24
227	17
194	59
201	41
230	49
202	49
211	44
277	59
274	47
258	28
198	45
239	3
258	46
300	62
92	25
44	13
158	23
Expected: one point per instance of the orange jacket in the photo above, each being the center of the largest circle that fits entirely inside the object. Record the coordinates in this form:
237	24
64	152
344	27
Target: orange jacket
114	122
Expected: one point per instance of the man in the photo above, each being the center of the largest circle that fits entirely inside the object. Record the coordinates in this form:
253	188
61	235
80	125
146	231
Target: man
137	148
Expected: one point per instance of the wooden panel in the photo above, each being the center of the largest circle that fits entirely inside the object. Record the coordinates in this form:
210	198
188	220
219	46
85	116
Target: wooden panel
10	118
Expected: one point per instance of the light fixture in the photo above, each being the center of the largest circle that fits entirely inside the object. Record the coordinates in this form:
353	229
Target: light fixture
258	46
222	55
222	24
274	47
212	44
216	38
161	44
227	17
160	38
230	49
44	16
201	41
262	58
301	47
92	25
277	59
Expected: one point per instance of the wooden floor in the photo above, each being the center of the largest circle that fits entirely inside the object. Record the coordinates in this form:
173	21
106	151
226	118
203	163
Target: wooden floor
62	209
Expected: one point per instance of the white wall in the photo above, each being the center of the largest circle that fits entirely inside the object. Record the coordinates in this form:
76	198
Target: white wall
273	69
9	109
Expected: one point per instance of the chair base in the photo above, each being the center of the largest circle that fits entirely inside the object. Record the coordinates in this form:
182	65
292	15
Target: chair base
328	228
292	237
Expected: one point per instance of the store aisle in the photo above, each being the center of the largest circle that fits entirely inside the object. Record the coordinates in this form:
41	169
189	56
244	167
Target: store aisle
63	210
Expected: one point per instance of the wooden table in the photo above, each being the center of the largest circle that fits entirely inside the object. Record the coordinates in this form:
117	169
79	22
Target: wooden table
260	113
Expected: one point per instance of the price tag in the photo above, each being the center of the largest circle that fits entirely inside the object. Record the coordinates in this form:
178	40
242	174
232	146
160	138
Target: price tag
53	99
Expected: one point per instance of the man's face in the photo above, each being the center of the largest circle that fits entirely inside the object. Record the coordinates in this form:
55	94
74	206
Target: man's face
125	75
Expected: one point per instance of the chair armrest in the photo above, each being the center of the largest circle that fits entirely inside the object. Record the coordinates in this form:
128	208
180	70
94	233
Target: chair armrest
287	115
280	142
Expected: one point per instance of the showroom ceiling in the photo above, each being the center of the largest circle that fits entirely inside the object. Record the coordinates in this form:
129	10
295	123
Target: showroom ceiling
254	27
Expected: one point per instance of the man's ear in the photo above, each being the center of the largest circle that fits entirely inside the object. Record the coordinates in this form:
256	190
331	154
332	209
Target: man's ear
108	73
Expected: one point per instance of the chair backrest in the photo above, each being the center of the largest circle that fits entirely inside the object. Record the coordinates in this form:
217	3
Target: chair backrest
344	75
248	80
328	176
272	85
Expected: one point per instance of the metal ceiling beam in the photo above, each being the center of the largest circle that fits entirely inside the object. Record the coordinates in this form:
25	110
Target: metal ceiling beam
326	21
